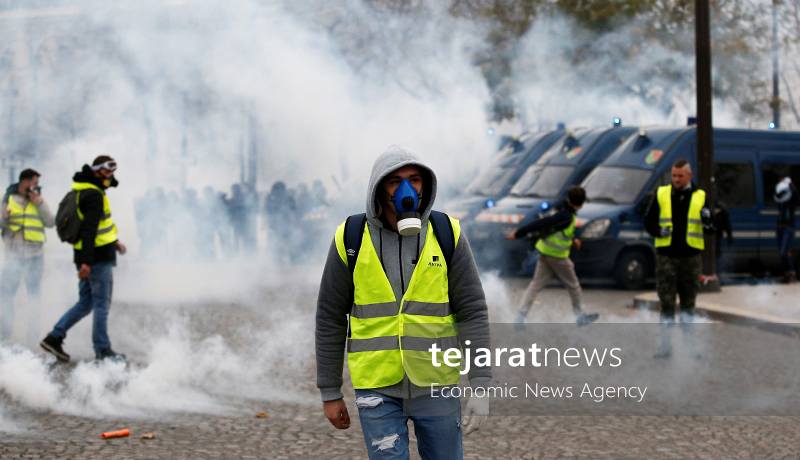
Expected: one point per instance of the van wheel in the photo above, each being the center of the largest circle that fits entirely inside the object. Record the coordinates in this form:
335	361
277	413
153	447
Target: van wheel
631	270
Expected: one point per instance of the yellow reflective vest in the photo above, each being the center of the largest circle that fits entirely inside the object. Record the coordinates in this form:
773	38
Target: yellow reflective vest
27	219
389	339
694	223
558	244
106	230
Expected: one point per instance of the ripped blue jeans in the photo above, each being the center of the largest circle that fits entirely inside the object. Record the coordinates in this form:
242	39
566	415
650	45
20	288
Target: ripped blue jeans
385	426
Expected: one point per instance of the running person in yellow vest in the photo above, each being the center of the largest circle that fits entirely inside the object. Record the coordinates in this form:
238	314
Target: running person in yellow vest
25	216
678	217
554	248
95	255
402	296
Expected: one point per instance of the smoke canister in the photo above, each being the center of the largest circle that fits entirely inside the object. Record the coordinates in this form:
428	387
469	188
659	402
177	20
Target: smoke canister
116	434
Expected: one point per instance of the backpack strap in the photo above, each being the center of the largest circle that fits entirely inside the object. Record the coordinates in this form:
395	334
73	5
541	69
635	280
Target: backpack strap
353	234
443	229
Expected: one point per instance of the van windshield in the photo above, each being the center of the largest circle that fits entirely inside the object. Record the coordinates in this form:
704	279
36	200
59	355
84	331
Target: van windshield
615	185
491	181
542	181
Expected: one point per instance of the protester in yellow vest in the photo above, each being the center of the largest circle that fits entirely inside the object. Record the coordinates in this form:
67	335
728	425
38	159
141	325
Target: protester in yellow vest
678	218
25	216
95	256
554	245
401	297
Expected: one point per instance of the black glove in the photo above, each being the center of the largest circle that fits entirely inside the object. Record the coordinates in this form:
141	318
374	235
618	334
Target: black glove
705	215
666	231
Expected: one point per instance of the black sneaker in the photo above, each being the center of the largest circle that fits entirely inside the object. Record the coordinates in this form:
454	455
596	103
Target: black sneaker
108	353
52	344
587	318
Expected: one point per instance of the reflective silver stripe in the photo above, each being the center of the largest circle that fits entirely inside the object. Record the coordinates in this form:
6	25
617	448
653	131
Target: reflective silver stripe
107	216
547	242
562	237
665	220
105	230
426	309
695	235
373	344
424	343
374	310
28	216
34	229
696	221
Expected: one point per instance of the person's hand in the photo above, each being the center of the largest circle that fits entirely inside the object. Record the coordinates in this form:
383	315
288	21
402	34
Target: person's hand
666	231
475	414
121	248
705	214
83	273
577	243
336	411
512	236
35	198
6	213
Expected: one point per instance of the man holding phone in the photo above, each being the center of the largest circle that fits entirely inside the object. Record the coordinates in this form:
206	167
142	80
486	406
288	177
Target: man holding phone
24	218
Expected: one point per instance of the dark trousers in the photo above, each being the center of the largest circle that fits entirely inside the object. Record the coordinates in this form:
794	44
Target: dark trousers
785	235
678	277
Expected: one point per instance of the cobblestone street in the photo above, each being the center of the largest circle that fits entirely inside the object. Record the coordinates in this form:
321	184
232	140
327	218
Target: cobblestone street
295	427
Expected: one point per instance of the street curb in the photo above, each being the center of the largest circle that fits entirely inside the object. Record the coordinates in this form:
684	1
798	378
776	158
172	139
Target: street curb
650	301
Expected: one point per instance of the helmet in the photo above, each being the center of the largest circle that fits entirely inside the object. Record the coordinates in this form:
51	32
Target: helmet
783	191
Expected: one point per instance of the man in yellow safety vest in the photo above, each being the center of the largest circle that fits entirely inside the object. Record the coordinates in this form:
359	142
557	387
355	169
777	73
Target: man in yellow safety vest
678	217
554	247
95	256
408	284
25	216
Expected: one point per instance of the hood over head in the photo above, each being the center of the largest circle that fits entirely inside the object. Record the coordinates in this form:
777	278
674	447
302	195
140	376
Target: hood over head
395	157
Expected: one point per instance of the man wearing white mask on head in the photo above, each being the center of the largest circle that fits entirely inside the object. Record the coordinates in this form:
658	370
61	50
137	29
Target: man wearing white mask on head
786	197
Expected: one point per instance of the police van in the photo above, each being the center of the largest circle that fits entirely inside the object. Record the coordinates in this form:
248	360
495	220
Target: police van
544	184
747	166
495	181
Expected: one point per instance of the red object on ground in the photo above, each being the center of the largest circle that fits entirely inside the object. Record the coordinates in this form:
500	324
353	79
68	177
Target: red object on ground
116	434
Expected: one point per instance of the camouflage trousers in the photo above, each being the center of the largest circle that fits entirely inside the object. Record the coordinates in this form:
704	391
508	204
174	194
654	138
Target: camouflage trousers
678	277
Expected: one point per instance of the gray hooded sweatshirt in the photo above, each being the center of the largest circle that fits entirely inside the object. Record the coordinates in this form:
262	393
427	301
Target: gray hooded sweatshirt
398	254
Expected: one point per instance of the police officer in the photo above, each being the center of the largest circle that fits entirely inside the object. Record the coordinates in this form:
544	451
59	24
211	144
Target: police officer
401	296
678	217
25	216
554	248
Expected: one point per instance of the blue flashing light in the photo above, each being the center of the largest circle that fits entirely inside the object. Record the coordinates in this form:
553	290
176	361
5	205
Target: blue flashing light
545	205
490	204
491	131
772	126
617	122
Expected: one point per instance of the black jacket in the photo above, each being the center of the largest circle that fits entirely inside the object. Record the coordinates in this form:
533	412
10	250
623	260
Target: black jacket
91	205
680	216
558	221
786	210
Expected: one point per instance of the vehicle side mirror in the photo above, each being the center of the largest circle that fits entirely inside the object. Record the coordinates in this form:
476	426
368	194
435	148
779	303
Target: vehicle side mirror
645	203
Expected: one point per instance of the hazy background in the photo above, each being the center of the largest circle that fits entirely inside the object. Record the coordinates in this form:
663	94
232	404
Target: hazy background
189	94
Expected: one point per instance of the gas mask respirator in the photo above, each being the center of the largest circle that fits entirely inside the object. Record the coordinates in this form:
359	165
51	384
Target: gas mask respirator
406	203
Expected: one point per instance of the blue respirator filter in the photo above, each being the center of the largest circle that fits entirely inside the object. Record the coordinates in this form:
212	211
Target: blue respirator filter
406	203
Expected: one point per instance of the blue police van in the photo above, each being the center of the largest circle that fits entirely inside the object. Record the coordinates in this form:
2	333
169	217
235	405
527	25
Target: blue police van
544	184
747	166
495	181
